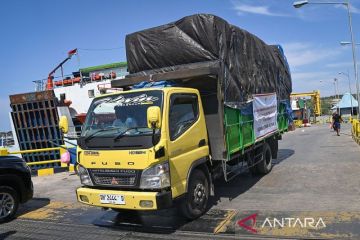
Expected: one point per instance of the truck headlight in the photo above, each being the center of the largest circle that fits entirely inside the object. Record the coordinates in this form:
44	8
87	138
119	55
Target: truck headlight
157	176
84	176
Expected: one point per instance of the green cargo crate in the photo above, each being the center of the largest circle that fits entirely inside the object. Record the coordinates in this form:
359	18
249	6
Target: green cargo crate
240	129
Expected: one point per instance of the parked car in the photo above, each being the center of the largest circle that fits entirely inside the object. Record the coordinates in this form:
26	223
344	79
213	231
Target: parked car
15	186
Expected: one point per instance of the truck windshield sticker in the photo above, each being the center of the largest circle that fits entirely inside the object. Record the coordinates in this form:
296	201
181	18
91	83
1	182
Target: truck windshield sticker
137	100
123	101
101	100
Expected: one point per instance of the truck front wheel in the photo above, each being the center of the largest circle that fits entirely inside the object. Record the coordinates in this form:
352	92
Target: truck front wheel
265	165
195	202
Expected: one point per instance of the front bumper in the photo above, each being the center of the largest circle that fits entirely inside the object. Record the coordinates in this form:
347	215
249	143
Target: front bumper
91	196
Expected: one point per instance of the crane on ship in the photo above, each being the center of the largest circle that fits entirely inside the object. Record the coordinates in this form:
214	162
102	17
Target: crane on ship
50	83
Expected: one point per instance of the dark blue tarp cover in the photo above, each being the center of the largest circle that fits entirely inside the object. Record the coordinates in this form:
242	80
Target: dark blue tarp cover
247	65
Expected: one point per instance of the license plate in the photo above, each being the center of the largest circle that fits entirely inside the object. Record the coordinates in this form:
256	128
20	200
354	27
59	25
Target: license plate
112	199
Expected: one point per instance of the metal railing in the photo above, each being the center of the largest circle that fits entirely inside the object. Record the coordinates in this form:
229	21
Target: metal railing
62	149
355	130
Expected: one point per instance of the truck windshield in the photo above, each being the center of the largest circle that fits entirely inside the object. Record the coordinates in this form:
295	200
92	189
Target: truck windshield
123	114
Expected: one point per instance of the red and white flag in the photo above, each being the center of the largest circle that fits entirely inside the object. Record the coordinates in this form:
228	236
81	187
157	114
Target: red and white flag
72	52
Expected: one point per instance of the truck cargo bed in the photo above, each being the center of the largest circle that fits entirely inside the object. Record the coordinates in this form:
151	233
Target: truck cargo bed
239	128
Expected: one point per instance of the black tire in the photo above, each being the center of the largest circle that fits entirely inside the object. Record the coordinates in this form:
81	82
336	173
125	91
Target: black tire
9	203
265	165
196	199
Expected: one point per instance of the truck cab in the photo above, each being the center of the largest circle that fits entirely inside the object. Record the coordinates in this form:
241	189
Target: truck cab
142	149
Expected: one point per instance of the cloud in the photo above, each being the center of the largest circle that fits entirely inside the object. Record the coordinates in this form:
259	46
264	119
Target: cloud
241	8
340	65
353	9
309	81
304	55
310	75
301	54
321	80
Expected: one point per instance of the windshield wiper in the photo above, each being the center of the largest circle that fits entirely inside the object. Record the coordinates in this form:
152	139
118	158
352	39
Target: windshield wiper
96	132
123	133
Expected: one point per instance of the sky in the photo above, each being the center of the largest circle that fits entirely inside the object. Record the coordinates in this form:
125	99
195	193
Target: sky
37	34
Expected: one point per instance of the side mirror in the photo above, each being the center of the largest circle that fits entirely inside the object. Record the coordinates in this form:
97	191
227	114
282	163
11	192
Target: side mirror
154	117
63	124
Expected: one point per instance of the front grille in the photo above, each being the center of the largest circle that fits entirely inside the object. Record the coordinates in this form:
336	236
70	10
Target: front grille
114	177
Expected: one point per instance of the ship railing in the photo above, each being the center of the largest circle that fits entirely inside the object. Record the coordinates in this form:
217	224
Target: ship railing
40	85
355	130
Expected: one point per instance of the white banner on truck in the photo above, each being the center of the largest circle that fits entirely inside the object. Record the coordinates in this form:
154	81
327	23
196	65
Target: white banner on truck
265	114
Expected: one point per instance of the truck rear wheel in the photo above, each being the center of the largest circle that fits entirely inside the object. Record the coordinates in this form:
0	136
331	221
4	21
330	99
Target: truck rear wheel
265	165
195	202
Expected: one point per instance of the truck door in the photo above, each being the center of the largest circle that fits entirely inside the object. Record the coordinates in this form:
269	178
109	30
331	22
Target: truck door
187	134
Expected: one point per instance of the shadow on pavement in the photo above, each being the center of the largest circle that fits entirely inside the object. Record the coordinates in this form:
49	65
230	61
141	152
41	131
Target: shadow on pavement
283	154
169	220
235	187
6	234
32	205
161	222
245	181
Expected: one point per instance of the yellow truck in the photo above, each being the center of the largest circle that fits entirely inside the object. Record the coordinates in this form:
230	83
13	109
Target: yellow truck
177	126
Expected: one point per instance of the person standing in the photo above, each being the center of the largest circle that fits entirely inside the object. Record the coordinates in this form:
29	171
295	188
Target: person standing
336	122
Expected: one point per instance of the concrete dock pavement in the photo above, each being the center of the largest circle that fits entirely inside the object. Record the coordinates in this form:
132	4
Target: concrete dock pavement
315	171
311	192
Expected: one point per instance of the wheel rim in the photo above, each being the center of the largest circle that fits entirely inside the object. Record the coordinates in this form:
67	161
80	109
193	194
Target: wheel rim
7	204
199	196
